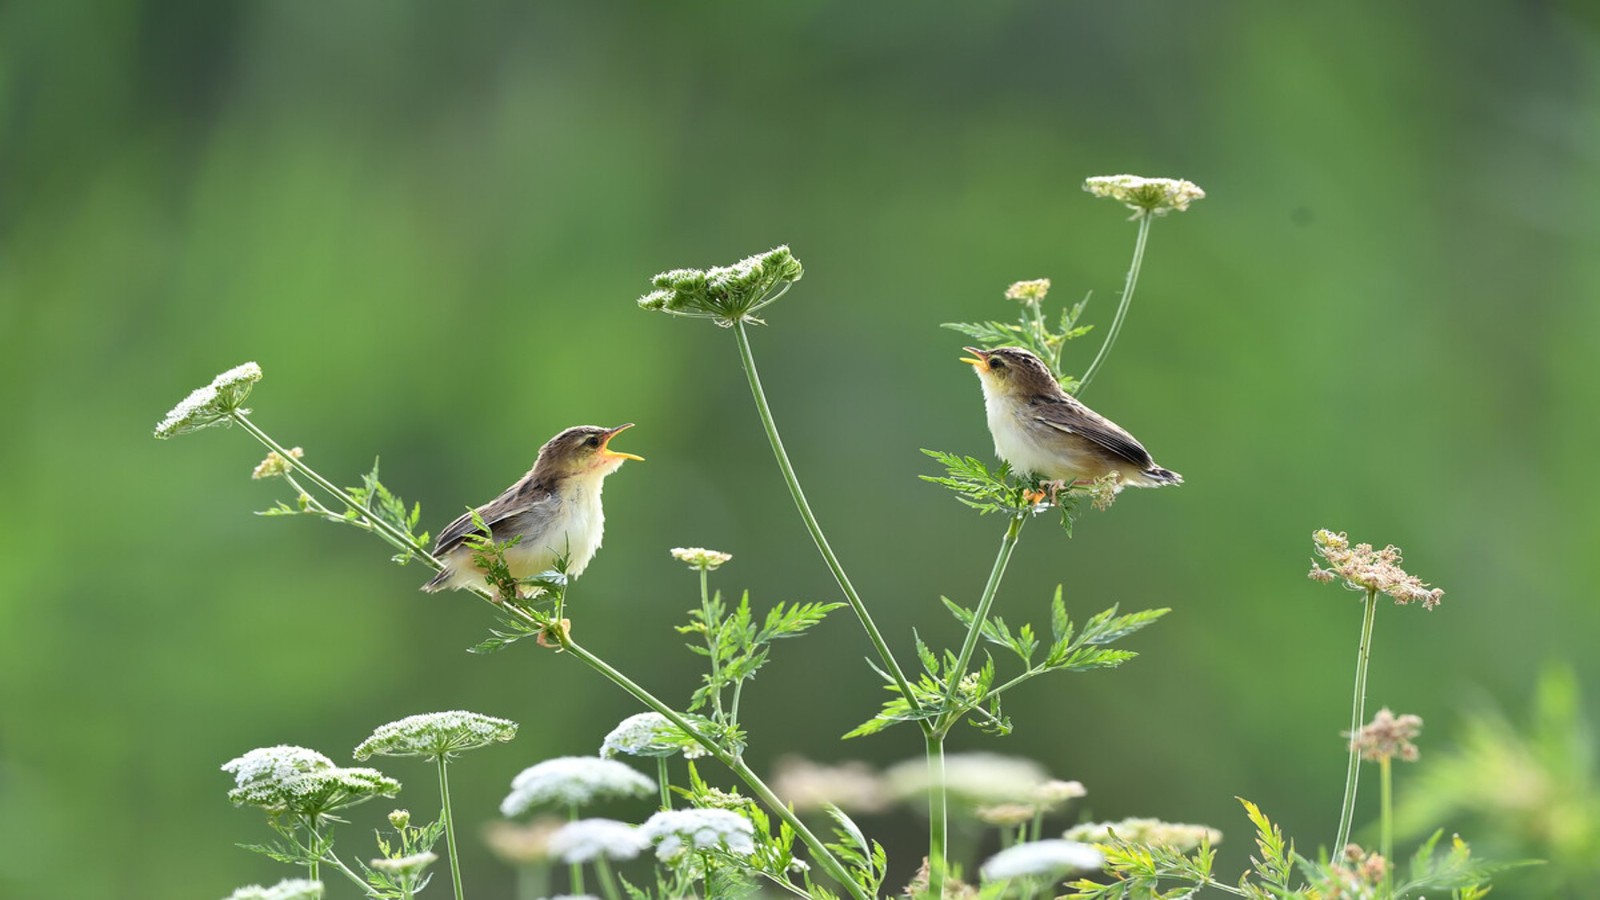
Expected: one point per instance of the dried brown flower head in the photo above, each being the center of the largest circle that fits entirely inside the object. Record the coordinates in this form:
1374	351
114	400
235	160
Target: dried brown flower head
1388	736
1362	568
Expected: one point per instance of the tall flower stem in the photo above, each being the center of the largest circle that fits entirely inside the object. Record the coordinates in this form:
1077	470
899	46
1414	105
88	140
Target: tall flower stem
608	881
1357	716
1008	543
1386	821
661	778
711	642
1122	305
938	817
817	537
449	824
576	868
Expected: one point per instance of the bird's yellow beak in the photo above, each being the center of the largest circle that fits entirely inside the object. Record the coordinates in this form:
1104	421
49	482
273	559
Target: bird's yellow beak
605	444
977	358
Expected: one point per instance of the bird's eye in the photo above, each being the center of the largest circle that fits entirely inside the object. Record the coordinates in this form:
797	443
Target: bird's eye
996	362
592	442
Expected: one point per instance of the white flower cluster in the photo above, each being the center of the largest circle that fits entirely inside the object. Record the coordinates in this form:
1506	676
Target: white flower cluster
289	889
1151	832
972	777
1049	858
586	839
700	557
650	734
679	831
1146	196
297	779
211	404
572	781
406	867
436	734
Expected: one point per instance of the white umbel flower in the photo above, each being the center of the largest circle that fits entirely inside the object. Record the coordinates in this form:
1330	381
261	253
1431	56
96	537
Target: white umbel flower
650	734
679	831
978	778
289	889
572	781
700	557
1146	196
586	839
436	734
1176	835
210	405
1051	859
297	779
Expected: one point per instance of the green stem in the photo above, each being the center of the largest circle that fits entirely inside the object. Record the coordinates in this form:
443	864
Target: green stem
531	882
389	533
449	824
350	874
711	643
819	851
1357	716
661	778
576	869
938	816
1122	305
817	537
608	881
312	867
981	615
1386	822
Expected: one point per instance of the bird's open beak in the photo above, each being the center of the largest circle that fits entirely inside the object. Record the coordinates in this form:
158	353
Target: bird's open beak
977	358
605	444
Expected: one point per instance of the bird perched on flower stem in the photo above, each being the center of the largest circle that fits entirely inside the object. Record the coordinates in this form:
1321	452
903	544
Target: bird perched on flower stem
554	509
1042	430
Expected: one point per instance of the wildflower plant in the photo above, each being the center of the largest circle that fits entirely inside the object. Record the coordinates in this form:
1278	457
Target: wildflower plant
722	840
440	737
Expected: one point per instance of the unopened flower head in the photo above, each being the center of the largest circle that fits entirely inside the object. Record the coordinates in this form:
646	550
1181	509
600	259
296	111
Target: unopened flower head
679	831
288	889
519	844
1150	832
572	781
1361	568
727	294
1029	291
976	778
810	787
1388	736
275	465
400	818
586	839
1146	196
651	734
407	868
1103	491
1055	792
436	734
1048	859
699	558
211	405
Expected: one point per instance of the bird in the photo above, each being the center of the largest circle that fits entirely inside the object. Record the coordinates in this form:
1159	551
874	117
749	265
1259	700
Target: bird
554	509
1042	430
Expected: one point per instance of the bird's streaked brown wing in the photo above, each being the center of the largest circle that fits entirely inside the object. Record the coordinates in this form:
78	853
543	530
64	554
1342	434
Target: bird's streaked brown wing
503	515
1073	417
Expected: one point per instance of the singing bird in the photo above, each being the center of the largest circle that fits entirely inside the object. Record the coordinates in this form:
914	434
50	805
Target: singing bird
555	508
1042	430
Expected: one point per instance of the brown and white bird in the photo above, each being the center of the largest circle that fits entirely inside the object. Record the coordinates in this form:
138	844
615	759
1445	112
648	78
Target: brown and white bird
1042	430
555	508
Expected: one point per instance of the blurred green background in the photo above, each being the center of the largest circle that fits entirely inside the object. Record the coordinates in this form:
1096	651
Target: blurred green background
429	223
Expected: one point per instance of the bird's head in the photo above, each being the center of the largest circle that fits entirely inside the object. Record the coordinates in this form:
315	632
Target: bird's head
1012	372
582	450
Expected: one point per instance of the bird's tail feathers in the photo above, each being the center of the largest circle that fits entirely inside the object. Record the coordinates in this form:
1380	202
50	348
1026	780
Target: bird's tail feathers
1163	476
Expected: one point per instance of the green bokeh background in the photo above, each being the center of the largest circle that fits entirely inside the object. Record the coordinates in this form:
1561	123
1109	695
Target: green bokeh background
429	223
